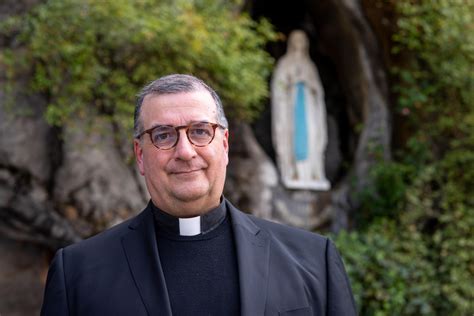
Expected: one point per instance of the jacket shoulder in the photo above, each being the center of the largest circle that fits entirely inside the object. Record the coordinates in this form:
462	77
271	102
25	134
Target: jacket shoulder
291	235
106	240
283	235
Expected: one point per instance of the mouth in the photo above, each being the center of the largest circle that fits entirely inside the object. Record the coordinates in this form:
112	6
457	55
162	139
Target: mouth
178	172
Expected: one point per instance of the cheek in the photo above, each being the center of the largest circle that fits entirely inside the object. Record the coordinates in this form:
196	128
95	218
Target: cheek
153	164
221	161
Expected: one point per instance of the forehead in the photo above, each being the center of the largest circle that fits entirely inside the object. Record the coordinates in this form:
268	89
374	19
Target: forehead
178	108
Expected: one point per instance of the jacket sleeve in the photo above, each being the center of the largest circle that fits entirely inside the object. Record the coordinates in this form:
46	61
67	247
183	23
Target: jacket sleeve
340	300
55	294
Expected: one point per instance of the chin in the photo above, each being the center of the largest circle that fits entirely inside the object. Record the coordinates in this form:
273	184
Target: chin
191	194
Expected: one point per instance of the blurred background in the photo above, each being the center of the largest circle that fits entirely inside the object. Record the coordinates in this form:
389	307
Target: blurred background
398	80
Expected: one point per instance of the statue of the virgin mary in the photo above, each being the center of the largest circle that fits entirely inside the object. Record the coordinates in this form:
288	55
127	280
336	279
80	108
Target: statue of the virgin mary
299	127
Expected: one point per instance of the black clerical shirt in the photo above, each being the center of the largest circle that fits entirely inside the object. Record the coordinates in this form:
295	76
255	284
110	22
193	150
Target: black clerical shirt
201	271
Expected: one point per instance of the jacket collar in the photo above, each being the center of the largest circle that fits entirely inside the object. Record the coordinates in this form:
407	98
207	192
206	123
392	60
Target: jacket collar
143	259
253	253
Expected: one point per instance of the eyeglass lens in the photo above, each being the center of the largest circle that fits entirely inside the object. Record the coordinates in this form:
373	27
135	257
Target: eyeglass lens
166	137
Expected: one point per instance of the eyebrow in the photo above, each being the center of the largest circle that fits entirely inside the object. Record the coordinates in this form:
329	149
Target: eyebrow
192	122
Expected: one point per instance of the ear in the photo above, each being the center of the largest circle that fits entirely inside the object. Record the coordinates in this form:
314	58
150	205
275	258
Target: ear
225	143
137	149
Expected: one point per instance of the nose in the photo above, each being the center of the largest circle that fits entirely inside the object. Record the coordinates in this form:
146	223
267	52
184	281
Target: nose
184	150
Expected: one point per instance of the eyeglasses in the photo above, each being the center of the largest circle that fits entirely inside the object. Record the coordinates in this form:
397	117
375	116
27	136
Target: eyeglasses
165	137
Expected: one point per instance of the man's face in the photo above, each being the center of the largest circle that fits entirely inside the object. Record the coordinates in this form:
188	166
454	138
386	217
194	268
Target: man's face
185	180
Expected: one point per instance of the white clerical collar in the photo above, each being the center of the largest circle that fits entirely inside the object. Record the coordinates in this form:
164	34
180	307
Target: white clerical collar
191	226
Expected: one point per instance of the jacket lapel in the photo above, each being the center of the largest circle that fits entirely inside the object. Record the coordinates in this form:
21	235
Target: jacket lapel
253	252
143	259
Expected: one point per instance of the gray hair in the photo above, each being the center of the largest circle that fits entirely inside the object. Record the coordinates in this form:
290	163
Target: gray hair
176	83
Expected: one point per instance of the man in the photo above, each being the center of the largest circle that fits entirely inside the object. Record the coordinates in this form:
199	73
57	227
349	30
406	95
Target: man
191	252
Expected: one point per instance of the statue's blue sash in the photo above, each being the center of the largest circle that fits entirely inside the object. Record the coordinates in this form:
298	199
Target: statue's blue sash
300	140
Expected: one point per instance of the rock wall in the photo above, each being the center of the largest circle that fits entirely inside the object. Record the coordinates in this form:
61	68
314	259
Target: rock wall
346	52
57	186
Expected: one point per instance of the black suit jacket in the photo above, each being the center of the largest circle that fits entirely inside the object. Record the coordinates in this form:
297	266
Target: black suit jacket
282	271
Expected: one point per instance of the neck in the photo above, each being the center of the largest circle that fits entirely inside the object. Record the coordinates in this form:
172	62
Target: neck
187	209
189	226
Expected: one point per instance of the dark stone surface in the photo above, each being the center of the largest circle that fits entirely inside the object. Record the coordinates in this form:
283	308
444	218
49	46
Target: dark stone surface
23	269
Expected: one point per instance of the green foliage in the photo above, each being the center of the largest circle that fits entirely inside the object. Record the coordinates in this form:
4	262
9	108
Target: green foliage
384	197
421	260
436	83
389	270
441	205
414	254
91	57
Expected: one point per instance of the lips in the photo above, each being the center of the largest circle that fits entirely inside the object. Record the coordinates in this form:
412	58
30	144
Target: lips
184	171
185	168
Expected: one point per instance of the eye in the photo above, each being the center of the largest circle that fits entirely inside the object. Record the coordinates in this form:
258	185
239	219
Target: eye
200	130
163	134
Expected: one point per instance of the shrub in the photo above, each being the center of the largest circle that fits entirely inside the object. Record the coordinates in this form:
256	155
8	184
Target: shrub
414	252
91	57
389	270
